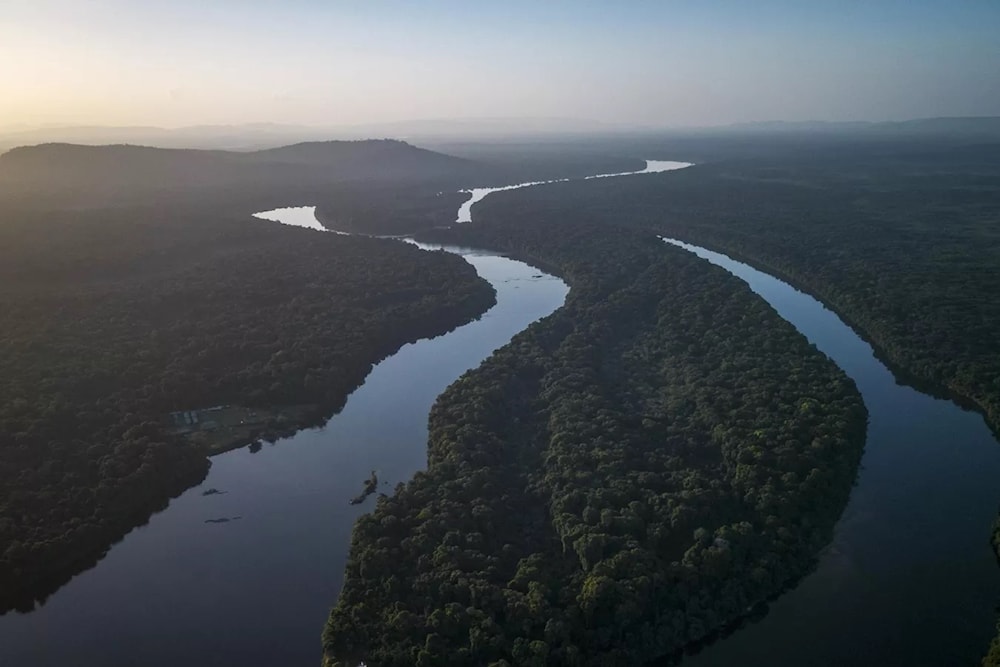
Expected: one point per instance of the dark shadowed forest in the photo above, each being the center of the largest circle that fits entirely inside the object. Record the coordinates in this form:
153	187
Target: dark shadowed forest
134	284
900	235
112	319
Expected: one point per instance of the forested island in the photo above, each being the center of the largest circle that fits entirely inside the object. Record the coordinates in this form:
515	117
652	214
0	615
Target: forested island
113	319
898	235
626	477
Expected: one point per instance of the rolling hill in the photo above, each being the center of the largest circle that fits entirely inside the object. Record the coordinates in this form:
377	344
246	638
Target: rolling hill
76	174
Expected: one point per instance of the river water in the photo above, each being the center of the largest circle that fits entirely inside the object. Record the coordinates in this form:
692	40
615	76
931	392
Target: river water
909	578
478	194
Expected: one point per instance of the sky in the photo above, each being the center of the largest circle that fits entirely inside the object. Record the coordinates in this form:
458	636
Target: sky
331	62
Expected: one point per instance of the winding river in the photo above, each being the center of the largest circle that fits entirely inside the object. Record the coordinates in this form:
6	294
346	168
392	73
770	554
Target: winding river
247	576
478	194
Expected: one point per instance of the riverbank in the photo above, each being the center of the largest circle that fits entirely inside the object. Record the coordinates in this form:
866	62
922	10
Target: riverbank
551	418
902	374
98	358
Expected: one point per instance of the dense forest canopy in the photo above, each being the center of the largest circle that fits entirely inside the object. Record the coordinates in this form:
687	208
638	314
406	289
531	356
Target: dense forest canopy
110	320
901	237
625	477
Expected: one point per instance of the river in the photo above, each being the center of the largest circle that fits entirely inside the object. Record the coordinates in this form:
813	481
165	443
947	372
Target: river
909	578
478	194
256	590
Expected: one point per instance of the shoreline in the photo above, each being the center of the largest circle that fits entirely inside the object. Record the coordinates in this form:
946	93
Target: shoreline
34	588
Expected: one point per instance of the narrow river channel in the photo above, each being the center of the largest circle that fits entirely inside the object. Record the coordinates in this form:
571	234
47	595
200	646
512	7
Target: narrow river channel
247	576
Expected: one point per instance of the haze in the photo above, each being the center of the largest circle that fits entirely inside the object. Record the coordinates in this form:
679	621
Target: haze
118	62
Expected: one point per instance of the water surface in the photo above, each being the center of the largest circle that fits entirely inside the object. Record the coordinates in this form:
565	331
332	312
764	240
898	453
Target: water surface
478	194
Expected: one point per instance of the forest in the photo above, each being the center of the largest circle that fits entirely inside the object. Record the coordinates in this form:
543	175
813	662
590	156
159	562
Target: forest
111	319
900	237
628	476
133	283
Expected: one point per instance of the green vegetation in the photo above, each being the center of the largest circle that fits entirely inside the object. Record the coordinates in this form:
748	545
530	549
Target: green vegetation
134	284
625	477
110	320
900	237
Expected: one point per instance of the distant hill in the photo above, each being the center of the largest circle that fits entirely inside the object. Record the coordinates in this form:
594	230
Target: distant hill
256	136
379	159
71	166
986	126
221	137
492	128
124	171
429	132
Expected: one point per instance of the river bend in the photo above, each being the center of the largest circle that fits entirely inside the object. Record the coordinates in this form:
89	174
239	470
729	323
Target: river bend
909	578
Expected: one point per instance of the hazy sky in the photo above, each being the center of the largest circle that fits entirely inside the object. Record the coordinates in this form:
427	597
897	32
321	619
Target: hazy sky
328	62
